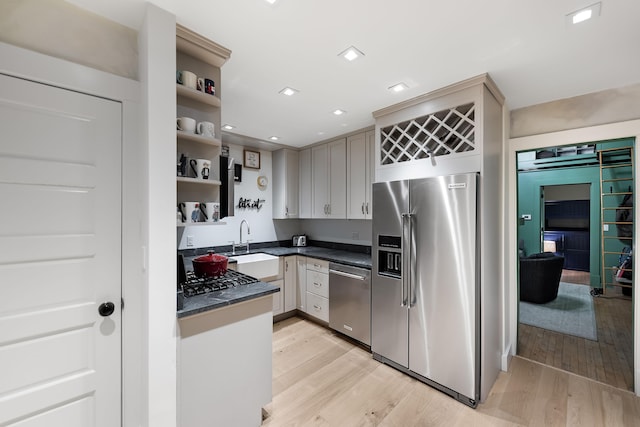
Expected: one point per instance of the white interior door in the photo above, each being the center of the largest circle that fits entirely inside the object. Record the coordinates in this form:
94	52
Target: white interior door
60	256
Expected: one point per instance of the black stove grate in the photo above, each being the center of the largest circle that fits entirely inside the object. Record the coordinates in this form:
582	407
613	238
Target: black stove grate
201	285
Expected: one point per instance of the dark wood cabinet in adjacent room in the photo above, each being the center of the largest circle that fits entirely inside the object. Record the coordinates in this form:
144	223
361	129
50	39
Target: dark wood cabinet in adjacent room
573	246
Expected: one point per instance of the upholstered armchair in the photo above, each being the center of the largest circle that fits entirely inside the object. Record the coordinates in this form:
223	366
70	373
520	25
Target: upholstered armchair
540	277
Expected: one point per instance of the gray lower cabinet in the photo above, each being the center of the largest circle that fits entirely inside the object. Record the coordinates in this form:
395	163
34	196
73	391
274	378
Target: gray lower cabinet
317	289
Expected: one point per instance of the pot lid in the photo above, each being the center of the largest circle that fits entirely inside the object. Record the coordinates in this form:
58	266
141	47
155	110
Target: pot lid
210	257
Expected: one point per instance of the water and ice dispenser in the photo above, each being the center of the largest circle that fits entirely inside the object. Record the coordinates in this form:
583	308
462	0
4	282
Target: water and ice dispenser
390	256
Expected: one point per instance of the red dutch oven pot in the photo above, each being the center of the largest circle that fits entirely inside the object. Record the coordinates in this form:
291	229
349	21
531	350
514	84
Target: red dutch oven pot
210	265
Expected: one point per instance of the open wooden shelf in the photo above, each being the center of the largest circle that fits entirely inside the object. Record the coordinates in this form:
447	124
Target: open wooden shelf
198	96
193	137
200	224
197	181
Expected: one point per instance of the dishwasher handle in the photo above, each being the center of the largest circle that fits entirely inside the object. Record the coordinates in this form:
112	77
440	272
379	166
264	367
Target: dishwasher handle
345	274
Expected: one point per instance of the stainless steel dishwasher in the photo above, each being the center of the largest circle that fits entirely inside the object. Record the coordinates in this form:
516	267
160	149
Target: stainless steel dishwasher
350	301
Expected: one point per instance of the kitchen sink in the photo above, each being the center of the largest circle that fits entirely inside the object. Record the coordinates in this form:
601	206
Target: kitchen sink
257	265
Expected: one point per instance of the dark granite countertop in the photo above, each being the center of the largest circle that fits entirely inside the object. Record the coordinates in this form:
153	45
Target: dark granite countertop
210	301
355	259
343	253
226	297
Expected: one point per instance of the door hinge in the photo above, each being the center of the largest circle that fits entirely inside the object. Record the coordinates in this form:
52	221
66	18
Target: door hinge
121	303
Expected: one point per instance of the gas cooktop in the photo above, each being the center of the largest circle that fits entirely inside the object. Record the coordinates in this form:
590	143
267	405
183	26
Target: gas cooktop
201	285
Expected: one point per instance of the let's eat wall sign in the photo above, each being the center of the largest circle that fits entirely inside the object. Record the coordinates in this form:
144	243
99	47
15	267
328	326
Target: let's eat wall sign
250	203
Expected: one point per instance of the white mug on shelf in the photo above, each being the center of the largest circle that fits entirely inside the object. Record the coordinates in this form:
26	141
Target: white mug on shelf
199	168
190	211
186	124
207	129
210	211
188	79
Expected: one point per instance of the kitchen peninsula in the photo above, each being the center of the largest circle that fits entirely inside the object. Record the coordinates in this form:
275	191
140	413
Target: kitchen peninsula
224	355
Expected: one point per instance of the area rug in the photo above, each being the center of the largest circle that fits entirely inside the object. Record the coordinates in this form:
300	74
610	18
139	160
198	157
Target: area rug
570	313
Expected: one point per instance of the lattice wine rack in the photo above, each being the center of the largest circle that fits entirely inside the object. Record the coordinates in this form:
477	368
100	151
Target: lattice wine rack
438	134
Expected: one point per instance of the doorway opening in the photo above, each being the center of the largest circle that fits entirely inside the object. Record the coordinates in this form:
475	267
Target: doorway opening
559	210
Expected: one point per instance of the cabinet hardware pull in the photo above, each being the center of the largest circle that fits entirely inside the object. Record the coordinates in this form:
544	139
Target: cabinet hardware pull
317	285
363	208
317	307
367	208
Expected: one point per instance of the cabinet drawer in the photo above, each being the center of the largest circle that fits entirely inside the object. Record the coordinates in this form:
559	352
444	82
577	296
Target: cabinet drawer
318	283
318	265
318	306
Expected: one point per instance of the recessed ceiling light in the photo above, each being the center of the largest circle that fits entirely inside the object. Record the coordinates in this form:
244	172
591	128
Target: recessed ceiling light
398	87
289	91
339	112
227	127
274	138
584	14
271	1
351	53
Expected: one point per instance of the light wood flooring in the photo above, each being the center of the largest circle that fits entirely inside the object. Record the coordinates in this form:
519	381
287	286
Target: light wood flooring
322	379
609	360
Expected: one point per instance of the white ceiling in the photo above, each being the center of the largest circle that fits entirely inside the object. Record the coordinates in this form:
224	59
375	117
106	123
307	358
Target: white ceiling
524	45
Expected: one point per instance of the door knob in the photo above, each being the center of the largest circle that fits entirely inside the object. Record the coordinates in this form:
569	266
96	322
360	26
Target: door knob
106	309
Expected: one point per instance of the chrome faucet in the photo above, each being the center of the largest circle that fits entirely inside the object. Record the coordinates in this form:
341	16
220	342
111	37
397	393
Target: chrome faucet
244	221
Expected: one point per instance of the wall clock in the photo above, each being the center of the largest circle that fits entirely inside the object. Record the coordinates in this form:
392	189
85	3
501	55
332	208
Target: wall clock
262	182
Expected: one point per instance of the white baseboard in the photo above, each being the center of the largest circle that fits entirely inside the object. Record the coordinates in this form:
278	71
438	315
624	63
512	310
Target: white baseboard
506	359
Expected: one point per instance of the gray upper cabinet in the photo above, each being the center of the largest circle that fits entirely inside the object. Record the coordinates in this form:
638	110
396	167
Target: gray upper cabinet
285	184
360	166
329	177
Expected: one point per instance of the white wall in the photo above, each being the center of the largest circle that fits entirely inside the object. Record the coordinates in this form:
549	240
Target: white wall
60	29
568	137
263	227
607	106
351	231
157	68
574	121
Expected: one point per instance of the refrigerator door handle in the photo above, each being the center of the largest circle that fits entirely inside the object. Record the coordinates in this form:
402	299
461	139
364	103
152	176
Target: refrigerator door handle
411	262
406	218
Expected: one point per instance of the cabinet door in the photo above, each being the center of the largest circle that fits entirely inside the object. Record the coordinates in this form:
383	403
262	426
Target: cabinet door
279	184
370	171
301	283
278	297
320	181
290	285
337	178
305	191
356	176
291	183
285	184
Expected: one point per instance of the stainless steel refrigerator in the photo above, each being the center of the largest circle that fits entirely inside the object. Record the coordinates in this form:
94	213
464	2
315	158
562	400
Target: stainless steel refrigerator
425	281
